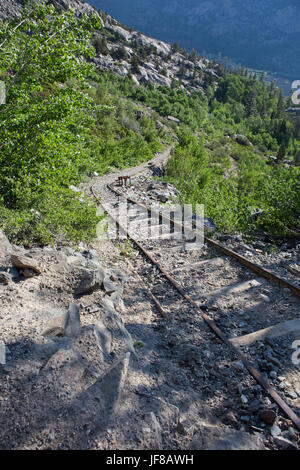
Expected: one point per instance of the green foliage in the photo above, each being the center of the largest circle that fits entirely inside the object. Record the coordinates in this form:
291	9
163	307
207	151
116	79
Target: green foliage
58	216
256	108
230	197
59	123
190	110
43	135
126	248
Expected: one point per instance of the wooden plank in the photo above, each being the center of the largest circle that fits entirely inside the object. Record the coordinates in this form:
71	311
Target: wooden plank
275	331
201	264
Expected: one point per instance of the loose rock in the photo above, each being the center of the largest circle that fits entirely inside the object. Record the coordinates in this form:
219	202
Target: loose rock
26	264
268	416
73	321
103	337
57	325
91	281
217	438
231	418
5	246
5	278
275	430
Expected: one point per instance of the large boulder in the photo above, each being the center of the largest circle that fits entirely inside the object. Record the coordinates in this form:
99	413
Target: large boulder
174	119
211	437
91	280
162	196
28	266
121	31
242	140
159	79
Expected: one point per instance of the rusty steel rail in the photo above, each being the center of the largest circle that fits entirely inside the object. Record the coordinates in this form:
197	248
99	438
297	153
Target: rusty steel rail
212	325
218	246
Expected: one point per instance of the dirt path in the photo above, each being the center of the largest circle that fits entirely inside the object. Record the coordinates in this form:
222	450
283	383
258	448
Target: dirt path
157	161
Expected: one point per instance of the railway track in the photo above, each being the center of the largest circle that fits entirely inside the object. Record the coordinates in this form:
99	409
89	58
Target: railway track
215	271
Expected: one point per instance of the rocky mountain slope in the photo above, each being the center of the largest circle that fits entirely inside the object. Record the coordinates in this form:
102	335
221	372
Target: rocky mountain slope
10	8
260	34
155	61
123	51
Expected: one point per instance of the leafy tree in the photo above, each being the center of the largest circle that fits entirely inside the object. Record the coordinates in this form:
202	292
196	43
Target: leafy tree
43	143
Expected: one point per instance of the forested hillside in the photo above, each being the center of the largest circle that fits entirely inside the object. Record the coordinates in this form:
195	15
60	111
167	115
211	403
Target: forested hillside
66	117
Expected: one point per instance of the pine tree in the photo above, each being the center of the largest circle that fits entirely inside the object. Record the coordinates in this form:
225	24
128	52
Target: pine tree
100	45
121	53
297	128
135	44
135	64
263	109
193	56
182	70
175	47
251	102
280	105
281	153
272	87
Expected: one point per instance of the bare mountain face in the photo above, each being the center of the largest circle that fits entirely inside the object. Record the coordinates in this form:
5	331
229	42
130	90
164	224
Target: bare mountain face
10	8
261	33
158	63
